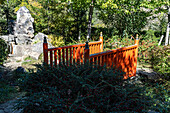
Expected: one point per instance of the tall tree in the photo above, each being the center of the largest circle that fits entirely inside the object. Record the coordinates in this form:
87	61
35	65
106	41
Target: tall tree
90	20
7	12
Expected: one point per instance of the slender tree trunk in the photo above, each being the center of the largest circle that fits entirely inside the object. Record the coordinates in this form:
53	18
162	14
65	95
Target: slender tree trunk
168	25
160	40
90	20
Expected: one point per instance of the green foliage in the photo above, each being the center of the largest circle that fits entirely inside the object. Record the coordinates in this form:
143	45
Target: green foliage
3	51
80	88
154	55
158	90
56	41
5	90
7	9
160	59
122	16
115	42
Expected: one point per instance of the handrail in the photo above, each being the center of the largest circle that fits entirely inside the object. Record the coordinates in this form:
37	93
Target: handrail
124	58
76	45
113	51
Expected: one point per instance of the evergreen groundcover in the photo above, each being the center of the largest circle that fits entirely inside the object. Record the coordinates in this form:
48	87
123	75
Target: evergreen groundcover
79	89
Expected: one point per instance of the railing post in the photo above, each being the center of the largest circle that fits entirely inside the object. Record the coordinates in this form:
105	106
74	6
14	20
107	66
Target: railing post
86	52
137	40
136	54
45	50
101	39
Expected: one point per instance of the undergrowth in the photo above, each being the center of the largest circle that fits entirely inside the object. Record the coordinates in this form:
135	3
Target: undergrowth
80	88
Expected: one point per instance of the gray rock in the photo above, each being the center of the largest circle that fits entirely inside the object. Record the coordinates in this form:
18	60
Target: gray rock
23	39
40	37
38	43
11	38
22	51
24	23
150	74
18	50
5	37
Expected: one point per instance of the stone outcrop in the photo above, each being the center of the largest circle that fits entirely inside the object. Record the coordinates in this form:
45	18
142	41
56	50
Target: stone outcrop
23	30
23	43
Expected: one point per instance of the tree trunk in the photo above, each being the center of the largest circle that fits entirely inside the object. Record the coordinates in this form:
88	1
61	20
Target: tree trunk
168	25
160	40
90	20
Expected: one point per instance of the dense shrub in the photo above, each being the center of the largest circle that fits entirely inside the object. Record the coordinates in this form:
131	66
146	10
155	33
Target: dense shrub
3	51
5	90
158	90
79	88
156	56
56	41
160	59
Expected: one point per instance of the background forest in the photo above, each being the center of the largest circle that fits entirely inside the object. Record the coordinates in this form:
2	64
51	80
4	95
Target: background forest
69	18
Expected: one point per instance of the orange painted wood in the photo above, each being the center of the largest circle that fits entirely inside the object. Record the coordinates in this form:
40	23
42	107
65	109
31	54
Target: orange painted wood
101	39
55	57
51	58
86	55
70	56
106	60
123	58
67	56
78	55
91	49
98	48
45	51
109	60
72	46
96	42
59	56
74	54
63	56
81	54
113	51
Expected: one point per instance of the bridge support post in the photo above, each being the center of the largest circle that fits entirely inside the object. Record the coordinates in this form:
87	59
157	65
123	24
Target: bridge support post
86	52
45	50
101	39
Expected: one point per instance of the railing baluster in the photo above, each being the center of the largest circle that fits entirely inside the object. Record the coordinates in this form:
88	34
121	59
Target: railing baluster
51	58
55	57
78	55
70	56
67	56
90	49
109	60
59	55
81	54
63	56
74	49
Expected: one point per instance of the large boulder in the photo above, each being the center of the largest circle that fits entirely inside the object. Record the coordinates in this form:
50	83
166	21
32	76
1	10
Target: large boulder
22	51
7	38
38	43
24	26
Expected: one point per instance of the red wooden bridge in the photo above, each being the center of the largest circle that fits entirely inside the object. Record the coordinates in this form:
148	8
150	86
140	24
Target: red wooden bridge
124	58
